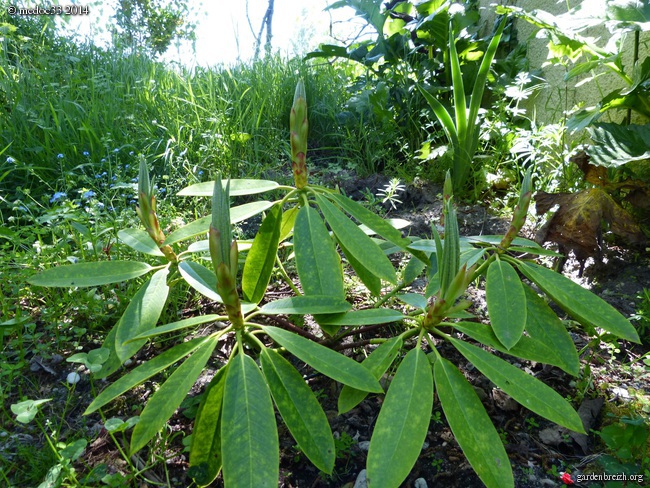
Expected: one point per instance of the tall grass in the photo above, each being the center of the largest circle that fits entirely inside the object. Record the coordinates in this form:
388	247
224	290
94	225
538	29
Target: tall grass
82	109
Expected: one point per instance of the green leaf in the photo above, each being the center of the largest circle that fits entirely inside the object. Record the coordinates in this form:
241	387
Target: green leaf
357	318
494	240
288	221
581	304
525	389
300	410
506	302
377	363
205	449
356	242
550	335
414	300
261	257
27	410
90	274
374	222
533	349
403	421
179	325
329	362
249	434
471	426
413	269
201	226
141	314
164	402
143	372
367	277
306	304
140	240
317	261
237	188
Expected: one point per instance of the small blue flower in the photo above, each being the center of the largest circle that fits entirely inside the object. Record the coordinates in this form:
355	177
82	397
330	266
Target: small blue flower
104	173
98	177
57	196
163	190
10	160
134	180
86	153
88	194
132	201
131	153
201	173
100	205
114	177
60	156
103	160
126	166
116	150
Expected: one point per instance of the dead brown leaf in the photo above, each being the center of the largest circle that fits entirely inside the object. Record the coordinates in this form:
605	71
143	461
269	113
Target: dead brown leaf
578	222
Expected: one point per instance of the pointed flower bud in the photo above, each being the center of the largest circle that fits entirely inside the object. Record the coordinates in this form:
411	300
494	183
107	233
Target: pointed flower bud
299	126
520	213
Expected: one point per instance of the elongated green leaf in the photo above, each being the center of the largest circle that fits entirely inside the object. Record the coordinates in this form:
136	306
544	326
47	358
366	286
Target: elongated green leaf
529	348
506	302
288	221
402	423
300	410
261	257
471	426
205	449
249	435
443	116
496	239
201	226
139	240
356	242
367	277
581	304
179	325
237	187
143	372
525	389
90	274
317	261
169	396
374	222
370	316
413	299
413	269
550	334
306	304
377	363
141	314
329	362
460	105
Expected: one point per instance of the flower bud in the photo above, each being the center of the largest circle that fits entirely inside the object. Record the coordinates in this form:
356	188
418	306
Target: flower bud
299	126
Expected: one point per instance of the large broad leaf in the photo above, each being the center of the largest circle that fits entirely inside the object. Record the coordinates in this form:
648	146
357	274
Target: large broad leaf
402	423
249	435
237	187
306	304
140	240
357	318
367	277
471	426
201	226
169	396
300	410
90	274
141	314
506	302
261	257
356	242
378	362
317	261
525	389
329	362
615	144
205	449
578	221
581	304
143	372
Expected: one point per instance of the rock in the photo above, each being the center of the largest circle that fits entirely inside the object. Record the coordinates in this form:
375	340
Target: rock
362	481
364	445
420	483
73	378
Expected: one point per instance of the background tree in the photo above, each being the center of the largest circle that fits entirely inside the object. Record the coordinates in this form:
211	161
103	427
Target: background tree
152	25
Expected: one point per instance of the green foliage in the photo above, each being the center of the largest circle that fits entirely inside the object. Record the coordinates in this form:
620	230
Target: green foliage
235	430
